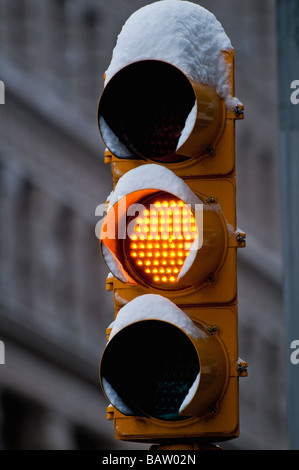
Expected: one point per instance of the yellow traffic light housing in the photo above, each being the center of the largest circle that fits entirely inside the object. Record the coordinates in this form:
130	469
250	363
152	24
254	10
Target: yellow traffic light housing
208	273
163	379
159	233
199	127
170	369
168	374
148	120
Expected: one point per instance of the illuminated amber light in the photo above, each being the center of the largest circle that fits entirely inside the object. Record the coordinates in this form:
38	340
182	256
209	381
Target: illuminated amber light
161	241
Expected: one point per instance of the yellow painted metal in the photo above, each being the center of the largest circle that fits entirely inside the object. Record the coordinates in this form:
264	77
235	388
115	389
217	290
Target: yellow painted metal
209	123
217	277
213	365
219	419
213	361
219	157
212	304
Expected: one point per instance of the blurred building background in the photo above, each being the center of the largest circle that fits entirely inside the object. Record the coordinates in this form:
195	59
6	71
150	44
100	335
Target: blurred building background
54	309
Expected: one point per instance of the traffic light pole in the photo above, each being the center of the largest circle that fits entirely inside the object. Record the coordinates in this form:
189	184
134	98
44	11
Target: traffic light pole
288	51
189	446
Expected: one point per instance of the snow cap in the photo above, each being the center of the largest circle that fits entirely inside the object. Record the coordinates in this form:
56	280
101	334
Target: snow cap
154	307
152	176
181	33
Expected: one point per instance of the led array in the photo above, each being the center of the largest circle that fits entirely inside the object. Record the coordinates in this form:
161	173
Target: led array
161	240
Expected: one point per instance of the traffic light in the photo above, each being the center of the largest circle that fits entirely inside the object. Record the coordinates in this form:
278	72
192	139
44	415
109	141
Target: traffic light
169	239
